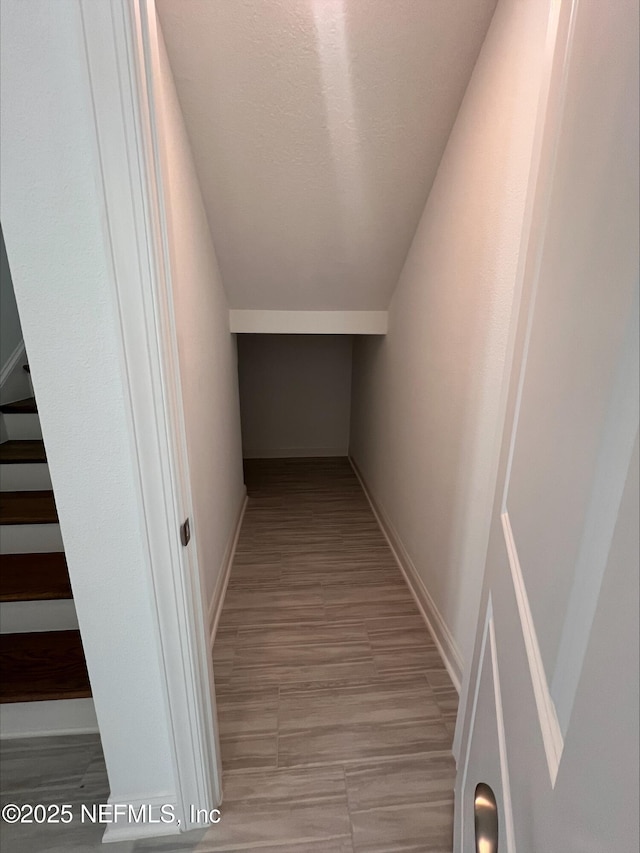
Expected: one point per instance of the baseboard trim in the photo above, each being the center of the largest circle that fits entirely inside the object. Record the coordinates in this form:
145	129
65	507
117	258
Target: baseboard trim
47	719
160	824
217	599
438	628
294	452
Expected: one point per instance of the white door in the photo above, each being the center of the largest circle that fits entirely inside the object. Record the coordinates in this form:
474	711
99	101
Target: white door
551	720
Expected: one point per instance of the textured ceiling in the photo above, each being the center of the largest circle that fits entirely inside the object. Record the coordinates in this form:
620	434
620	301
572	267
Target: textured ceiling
317	127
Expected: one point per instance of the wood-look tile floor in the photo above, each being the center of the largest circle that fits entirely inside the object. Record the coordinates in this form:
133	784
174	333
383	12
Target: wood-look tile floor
336	714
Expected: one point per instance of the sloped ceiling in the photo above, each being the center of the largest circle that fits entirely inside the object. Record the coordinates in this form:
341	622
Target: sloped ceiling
317	127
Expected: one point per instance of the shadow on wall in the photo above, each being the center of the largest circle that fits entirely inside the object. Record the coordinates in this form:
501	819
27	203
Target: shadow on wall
295	394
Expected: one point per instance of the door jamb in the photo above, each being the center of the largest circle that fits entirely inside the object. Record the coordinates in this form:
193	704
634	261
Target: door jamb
117	39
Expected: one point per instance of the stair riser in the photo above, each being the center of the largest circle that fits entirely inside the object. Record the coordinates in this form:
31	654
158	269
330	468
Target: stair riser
22	426
24	617
30	538
24	477
41	719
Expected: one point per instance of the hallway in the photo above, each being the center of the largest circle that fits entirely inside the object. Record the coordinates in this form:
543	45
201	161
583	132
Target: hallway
336	713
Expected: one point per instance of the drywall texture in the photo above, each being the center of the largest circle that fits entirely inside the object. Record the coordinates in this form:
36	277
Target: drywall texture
52	218
10	331
207	353
317	127
428	397
295	394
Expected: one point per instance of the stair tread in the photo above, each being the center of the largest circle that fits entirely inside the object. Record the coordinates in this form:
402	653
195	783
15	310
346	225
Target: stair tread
37	507
20	407
34	577
44	665
22	450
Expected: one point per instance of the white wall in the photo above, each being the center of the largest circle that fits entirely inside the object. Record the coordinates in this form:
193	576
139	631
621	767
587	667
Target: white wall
53	219
10	331
207	351
295	394
317	127
428	398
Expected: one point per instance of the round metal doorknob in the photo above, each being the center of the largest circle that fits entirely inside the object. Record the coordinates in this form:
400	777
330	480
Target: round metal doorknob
485	810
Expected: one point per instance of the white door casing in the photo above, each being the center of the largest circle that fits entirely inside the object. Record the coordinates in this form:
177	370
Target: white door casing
117	42
561	550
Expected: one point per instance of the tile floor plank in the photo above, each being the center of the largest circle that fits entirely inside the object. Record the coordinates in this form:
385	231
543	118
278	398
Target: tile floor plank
318	609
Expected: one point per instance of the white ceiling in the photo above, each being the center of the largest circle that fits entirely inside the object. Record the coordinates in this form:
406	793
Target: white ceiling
317	127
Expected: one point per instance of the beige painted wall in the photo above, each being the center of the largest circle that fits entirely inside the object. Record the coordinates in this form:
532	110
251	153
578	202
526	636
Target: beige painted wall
295	394
207	352
428	398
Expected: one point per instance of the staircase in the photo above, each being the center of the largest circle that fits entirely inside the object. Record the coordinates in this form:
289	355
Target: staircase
41	655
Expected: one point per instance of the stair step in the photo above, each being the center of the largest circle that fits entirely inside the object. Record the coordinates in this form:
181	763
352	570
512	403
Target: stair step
20	451
44	665
37	507
20	407
34	577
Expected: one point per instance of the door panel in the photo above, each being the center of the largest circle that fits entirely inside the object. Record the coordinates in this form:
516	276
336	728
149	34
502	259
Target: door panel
576	337
560	697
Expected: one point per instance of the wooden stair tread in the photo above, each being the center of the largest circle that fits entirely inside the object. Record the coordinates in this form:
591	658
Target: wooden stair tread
36	507
43	665
21	451
20	407
34	577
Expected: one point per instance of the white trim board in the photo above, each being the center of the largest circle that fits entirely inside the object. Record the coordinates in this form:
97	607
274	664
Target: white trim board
308	322
217	599
160	823
438	628
549	725
118	40
49	718
488	633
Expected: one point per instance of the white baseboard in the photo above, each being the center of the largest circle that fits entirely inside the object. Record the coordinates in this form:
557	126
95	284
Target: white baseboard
217	599
150	804
438	628
45	719
294	452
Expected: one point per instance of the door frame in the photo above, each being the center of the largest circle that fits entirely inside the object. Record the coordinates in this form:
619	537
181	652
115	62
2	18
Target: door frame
118	40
